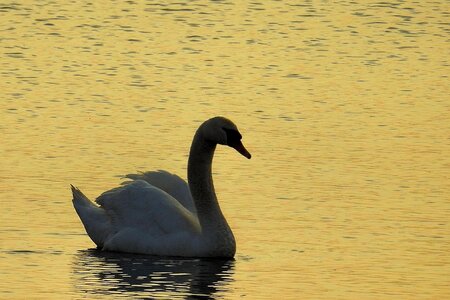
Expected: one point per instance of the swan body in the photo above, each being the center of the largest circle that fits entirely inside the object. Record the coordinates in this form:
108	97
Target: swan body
158	213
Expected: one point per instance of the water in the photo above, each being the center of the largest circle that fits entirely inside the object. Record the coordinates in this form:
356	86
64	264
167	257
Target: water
344	107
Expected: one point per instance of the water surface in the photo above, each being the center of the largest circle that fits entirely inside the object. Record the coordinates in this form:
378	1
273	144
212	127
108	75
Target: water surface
344	107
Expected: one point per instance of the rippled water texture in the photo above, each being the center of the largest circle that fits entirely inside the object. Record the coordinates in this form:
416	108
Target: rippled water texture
343	105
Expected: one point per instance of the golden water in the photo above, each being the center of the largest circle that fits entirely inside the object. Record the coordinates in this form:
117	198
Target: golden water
343	105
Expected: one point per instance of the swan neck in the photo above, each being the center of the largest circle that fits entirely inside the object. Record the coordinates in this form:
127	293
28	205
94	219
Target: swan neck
200	175
214	225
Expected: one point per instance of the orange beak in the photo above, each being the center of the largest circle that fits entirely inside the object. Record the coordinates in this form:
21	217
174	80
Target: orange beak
241	149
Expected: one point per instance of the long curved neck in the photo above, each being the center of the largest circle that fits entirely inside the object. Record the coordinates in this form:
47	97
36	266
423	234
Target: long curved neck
201	183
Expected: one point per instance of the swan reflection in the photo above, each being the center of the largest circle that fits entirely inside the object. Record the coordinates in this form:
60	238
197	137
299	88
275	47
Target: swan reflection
109	273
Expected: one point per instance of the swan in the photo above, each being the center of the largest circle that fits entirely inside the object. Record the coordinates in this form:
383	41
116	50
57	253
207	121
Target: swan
158	213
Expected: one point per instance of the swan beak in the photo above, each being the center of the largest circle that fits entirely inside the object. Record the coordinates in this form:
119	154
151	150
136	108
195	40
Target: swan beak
241	149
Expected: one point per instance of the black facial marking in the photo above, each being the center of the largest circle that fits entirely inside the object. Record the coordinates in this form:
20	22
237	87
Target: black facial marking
233	136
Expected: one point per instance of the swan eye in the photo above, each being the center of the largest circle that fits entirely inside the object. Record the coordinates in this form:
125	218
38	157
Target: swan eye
233	136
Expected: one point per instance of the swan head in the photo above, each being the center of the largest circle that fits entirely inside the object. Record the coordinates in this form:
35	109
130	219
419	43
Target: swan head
222	131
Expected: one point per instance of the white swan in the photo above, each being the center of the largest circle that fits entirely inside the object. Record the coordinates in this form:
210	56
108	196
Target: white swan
158	213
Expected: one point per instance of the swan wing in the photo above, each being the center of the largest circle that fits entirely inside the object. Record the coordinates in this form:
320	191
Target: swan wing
147	220
169	183
142	205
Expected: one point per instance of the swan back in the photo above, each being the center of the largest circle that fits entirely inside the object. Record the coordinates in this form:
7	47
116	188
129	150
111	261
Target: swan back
169	183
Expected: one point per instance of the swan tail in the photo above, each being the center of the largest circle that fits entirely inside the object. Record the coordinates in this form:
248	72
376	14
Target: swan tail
93	217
